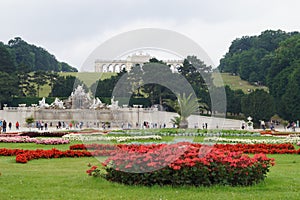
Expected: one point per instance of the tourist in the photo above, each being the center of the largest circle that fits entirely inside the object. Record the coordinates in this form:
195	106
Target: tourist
243	126
9	125
17	125
4	126
42	125
70	125
46	126
263	125
1	123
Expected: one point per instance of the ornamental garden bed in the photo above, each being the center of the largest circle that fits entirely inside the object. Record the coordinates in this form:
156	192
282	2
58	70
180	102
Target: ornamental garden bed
183	164
278	133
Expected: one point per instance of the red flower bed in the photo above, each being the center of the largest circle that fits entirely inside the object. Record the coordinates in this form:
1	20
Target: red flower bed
23	156
79	150
245	148
93	147
260	148
184	164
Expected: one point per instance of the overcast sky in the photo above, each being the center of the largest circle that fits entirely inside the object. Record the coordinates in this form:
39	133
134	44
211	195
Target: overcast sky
72	29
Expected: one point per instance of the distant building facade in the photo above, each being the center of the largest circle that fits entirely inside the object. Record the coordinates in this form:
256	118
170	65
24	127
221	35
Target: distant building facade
138	58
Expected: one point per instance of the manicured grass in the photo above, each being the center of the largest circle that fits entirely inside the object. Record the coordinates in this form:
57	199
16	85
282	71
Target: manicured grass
33	146
65	178
235	83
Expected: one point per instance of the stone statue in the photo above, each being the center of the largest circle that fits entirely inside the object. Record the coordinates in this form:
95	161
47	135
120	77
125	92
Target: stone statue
43	104
97	104
80	99
114	104
57	104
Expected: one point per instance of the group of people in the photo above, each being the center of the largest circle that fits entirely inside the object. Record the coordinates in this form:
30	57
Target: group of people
4	125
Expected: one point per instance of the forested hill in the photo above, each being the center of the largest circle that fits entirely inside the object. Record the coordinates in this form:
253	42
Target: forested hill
20	56
259	58
272	59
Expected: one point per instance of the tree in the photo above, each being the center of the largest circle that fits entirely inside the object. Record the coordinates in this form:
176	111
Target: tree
288	105
9	87
6	60
184	106
26	85
40	79
29	121
52	78
104	88
35	58
259	105
255	54
64	86
234	100
198	74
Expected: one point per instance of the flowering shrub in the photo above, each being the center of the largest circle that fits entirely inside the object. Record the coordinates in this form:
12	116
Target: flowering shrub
292	140
110	138
26	139
52	141
184	164
298	144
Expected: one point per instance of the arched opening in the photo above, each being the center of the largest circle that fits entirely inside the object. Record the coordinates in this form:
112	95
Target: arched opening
111	68
117	68
104	68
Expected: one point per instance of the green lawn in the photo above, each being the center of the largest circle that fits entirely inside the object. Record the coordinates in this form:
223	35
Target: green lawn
65	178
235	83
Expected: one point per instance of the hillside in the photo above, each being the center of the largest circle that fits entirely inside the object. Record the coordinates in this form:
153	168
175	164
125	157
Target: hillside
87	78
20	56
235	83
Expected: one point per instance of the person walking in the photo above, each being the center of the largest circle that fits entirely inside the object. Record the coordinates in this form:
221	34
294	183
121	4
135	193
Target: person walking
4	125
17	125
9	125
1	123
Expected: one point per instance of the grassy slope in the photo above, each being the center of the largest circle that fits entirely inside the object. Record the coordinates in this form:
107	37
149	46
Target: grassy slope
235	82
66	179
87	77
